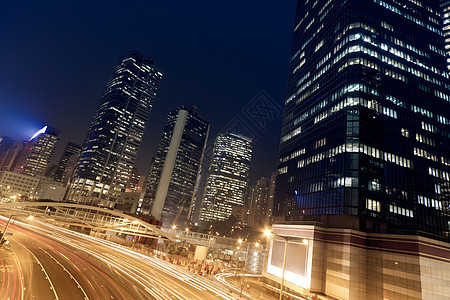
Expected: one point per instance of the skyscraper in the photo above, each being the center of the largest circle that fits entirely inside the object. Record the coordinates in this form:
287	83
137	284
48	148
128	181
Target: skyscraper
445	10
114	137
227	178
257	200
174	170
35	155
71	149
362	193
365	133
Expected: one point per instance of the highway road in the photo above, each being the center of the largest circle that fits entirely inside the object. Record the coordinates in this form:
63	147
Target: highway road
49	262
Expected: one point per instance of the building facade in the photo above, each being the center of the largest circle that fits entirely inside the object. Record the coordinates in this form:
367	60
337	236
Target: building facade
35	155
227	179
15	186
365	136
362	193
349	264
115	135
445	11
175	169
257	201
71	149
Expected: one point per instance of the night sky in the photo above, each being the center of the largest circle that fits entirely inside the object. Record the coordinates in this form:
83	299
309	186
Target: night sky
56	59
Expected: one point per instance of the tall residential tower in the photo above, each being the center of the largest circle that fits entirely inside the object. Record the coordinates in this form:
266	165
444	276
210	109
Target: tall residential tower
115	135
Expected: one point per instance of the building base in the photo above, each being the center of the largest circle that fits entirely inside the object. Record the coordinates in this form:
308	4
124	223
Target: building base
349	264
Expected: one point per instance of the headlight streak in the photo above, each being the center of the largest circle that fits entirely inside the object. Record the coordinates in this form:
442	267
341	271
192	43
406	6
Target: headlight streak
133	272
220	277
43	270
22	283
67	271
192	280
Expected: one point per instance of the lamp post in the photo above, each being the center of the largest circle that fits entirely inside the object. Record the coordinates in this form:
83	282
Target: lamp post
6	228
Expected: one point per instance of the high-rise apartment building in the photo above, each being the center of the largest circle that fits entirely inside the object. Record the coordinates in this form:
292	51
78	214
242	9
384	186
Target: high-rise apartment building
35	155
114	137
227	177
71	149
362	193
175	169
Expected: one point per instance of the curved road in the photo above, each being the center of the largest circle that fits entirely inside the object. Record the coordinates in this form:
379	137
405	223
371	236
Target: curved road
48	262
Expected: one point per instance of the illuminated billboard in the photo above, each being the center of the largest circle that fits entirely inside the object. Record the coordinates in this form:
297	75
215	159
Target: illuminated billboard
298	260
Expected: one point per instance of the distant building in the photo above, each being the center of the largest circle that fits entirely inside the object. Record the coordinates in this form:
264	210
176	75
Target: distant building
70	169
5	143
49	189
14	186
175	169
8	158
115	135
71	149
269	208
34	157
228	177
257	201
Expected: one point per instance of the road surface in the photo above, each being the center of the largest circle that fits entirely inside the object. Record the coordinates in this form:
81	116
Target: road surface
48	262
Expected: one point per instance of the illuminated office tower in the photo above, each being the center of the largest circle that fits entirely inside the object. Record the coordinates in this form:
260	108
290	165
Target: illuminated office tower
227	179
365	137
364	166
71	149
115	135
445	11
175	169
35	155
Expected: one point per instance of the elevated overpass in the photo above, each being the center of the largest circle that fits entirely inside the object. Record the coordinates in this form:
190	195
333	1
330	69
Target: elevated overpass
96	218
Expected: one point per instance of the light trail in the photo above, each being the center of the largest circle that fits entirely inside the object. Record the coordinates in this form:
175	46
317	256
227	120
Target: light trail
148	279
19	267
43	270
67	271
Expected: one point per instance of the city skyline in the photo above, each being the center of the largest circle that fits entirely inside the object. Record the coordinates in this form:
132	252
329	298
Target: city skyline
252	149
198	62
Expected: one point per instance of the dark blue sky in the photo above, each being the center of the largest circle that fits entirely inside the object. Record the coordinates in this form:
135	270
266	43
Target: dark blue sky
218	55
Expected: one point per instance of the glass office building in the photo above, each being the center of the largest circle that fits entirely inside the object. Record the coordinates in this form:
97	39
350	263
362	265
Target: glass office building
35	155
365	137
115	135
227	179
